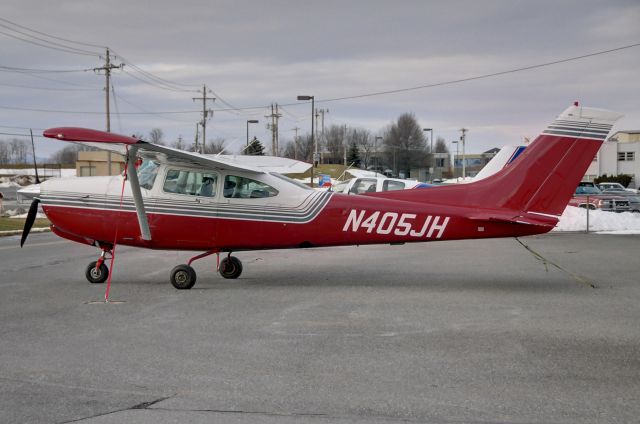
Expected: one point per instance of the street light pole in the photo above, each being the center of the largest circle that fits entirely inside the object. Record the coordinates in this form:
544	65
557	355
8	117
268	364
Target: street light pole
313	139
462	138
250	121
375	151
455	169
433	160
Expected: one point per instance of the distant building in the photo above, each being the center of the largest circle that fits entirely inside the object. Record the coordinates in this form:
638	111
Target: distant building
96	163
474	162
618	155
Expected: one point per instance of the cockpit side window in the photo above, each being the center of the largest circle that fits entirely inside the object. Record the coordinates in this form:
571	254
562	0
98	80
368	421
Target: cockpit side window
147	172
192	183
246	188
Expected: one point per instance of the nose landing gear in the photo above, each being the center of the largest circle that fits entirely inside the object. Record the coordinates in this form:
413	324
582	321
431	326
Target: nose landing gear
97	272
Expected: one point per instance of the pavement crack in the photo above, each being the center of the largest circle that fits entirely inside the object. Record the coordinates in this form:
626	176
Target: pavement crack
145	405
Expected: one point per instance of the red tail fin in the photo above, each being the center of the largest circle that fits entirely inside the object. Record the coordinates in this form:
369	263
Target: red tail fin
542	179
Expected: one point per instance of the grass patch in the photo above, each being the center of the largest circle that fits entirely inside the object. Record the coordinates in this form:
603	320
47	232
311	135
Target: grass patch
332	170
8	224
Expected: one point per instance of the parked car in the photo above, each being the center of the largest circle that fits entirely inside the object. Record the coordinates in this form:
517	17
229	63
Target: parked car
587	195
634	203
615	187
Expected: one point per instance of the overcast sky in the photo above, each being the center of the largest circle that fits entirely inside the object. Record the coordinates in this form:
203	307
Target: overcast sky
252	54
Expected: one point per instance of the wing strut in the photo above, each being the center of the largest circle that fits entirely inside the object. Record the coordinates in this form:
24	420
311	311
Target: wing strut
137	194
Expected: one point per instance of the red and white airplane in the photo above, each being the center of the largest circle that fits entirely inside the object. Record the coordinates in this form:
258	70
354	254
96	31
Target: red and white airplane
218	204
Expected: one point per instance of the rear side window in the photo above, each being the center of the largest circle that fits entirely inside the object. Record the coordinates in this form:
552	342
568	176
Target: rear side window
363	185
246	188
390	185
179	181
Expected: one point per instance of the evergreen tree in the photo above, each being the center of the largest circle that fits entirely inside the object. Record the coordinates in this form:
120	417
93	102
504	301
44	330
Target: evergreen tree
353	156
255	148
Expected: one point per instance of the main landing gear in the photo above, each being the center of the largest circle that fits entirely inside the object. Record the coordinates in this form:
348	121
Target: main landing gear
183	277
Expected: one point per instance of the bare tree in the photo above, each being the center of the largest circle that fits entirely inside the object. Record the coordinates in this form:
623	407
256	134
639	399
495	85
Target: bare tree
441	146
68	154
335	137
289	150
405	144
362	138
178	144
19	150
305	148
156	136
215	146
4	153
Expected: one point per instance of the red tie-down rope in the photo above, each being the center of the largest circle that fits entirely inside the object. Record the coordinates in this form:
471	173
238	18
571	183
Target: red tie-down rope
113	251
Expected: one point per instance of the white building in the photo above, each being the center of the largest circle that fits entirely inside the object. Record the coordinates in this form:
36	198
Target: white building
620	154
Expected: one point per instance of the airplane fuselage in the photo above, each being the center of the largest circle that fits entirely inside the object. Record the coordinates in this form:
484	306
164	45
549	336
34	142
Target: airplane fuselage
89	210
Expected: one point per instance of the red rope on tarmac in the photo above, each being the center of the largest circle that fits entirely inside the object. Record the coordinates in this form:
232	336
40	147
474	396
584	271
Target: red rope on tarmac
113	251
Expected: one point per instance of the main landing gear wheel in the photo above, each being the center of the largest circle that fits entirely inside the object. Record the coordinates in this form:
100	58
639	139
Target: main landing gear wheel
230	267
97	275
183	277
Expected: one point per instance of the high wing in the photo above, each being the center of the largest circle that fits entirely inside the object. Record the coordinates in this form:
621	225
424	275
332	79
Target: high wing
132	148
120	143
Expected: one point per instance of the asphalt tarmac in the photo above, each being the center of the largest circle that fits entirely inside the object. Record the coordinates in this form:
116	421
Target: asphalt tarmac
449	332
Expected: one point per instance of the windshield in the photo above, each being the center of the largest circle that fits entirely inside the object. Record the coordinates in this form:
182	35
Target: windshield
587	190
291	180
147	172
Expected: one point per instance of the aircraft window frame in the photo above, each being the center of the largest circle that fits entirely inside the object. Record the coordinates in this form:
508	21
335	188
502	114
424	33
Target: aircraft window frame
237	187
290	180
359	186
190	182
147	173
340	187
397	185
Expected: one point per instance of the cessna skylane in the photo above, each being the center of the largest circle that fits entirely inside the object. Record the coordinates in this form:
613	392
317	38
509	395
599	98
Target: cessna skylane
172	199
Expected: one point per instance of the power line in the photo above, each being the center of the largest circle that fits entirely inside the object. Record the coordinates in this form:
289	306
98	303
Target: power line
21	128
154	84
80	112
494	74
65	49
49	88
39	71
175	86
55	80
52	36
160	114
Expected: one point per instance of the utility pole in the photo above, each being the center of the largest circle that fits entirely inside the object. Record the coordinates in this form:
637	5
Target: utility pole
274	128
462	138
108	66
205	114
344	143
320	113
195	149
295	143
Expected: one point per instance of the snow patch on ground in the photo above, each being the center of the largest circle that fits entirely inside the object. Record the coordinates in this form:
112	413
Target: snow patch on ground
9	184
24	215
575	219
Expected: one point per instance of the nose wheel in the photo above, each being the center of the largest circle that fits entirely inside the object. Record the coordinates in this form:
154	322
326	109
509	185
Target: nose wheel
97	272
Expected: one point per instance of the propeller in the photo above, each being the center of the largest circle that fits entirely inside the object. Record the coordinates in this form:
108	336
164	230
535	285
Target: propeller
31	217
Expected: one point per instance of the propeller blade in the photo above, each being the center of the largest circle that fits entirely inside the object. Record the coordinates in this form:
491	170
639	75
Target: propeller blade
31	217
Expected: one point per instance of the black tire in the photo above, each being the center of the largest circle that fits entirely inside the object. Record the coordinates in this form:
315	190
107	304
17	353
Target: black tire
97	276
230	267
183	277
